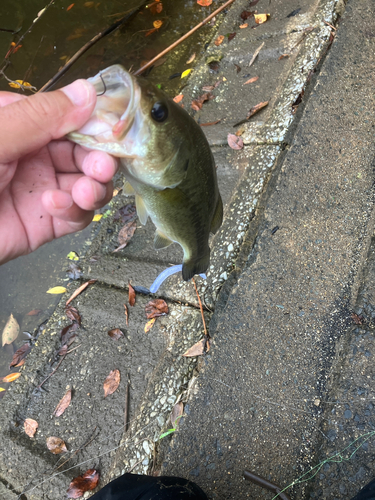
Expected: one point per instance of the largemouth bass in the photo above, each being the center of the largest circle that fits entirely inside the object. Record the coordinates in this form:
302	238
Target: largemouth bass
166	160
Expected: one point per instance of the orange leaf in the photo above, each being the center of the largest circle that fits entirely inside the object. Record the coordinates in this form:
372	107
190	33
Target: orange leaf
79	290
157	24
30	426
150	32
219	40
178	98
149	325
63	403
131	295
252	80
242	26
111	382
70	6
34	312
256	108
11	377
204	3
87	482
155	308
116	333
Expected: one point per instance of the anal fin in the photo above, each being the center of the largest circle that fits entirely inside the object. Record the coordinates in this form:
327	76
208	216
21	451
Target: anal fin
161	241
141	209
128	188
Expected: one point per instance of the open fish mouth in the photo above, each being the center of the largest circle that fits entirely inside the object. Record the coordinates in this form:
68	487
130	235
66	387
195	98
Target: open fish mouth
115	111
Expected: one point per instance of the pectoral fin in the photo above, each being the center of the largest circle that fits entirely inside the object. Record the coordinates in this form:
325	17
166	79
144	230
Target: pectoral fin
161	241
218	216
141	209
128	188
175	173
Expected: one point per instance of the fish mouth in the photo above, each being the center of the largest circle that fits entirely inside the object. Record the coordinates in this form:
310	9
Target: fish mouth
118	99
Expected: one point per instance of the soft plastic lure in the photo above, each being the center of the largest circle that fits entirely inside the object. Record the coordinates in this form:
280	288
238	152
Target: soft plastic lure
165	274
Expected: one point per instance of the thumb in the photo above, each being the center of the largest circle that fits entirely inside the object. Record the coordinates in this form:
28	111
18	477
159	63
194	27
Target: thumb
31	123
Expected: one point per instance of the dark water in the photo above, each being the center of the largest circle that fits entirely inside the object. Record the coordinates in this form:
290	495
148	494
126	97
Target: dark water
54	38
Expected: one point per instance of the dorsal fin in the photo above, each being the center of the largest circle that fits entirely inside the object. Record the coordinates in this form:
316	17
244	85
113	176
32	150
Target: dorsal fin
141	209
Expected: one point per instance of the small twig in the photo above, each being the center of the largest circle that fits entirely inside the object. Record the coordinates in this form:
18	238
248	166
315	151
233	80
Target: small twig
54	371
201	308
90	439
71	350
330	25
264	483
134	466
126	314
171	47
87	46
256	54
25	78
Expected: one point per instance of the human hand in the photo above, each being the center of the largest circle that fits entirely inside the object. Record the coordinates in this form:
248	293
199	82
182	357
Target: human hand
49	187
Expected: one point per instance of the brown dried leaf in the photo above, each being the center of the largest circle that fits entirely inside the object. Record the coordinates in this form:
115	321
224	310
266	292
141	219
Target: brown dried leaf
131	295
219	40
34	312
149	325
231	36
20	354
176	412
242	26
252	80
210	123
63	403
246	14
10	378
116	334
191	59
111	382
63	350
30	426
56	445
256	108
68	332
126	234
126	314
283	56
235	142
73	314
198	103
126	213
79	290
178	98
155	308
254	2
197	349
87	482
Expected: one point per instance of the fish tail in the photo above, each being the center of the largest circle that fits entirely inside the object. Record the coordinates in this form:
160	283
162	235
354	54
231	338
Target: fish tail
195	266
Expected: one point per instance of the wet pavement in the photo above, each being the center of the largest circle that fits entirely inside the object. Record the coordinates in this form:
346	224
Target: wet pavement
288	380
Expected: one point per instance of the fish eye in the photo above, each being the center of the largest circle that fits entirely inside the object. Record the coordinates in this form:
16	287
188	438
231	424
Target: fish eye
159	112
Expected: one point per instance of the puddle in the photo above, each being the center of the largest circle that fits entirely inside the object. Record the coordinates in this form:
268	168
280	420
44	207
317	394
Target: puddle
62	30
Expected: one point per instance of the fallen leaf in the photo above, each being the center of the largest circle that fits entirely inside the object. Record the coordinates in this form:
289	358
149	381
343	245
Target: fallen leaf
30	426
20	354
242	26
63	403
56	445
17	84
87	482
79	290
67	333
157	24
131	295
231	36
56	290
116	192
252	80
283	56
254	2
34	312
176	412
219	40
2	389
246	14
70	6
191	59
73	314
198	103
116	333
197	349
125	234
155	308
74	271
10	331
63	350
150	32
204	3
238	68
97	217
256	108
111	382
149	325
261	18
155	7
126	213
11	377
210	123
178	98
185	73
235	142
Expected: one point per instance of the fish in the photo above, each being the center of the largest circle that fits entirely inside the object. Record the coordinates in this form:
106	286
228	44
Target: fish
166	160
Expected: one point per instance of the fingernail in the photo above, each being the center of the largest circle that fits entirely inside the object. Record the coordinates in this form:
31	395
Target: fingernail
79	92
